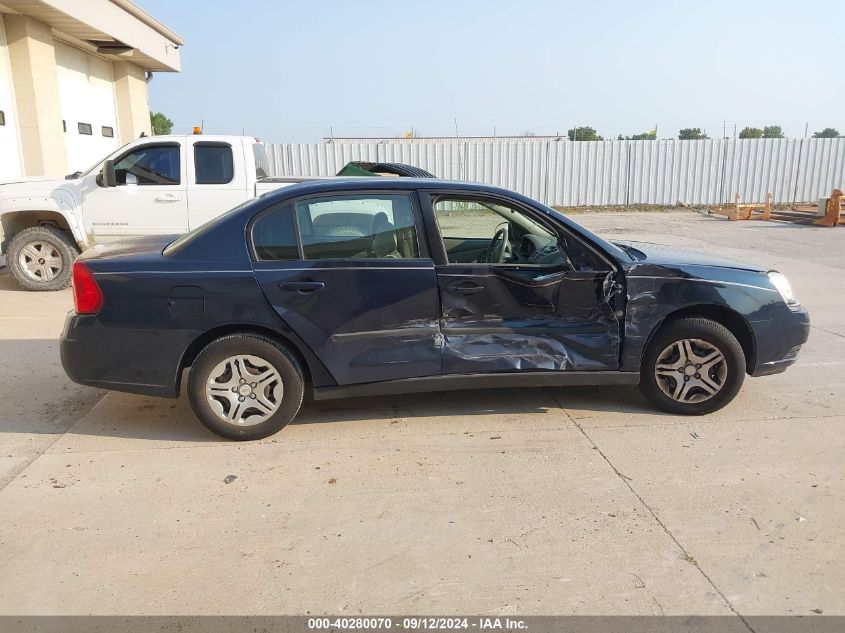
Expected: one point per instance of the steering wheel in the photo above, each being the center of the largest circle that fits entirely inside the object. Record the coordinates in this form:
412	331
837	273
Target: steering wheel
497	250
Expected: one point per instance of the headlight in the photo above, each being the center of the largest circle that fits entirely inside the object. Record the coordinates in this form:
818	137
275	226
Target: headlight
781	284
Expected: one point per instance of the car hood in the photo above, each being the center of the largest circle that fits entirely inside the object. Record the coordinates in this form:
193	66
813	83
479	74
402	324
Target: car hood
30	183
664	255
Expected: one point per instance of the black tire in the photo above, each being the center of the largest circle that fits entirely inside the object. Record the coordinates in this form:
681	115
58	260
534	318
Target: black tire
265	348
58	240
712	333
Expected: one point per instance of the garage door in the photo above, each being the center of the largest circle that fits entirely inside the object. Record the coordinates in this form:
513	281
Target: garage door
86	92
10	155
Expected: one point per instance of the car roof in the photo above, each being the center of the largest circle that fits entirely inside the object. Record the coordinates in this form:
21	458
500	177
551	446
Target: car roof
356	183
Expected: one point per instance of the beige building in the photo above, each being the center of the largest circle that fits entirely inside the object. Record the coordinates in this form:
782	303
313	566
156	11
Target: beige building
73	81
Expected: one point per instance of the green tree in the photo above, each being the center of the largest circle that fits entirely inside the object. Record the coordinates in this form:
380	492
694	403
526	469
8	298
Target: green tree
645	136
585	133
691	134
828	132
772	131
160	123
751	132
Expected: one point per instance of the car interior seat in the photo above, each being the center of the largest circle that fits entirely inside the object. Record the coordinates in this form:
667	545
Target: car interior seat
385	241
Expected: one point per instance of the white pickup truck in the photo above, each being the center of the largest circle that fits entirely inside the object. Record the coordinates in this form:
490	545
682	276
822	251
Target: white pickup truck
155	185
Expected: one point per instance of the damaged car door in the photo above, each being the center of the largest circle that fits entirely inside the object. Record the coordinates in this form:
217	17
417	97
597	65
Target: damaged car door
517	291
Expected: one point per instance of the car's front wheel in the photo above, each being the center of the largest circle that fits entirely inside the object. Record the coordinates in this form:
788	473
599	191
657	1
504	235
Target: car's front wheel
245	386
692	366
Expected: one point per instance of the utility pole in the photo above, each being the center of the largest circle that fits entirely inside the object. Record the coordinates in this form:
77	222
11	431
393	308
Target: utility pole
460	149
806	128
724	129
734	131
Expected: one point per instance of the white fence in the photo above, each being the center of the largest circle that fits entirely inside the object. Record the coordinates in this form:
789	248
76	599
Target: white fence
565	173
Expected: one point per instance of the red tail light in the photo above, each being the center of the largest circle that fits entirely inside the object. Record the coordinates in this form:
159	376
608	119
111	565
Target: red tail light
87	296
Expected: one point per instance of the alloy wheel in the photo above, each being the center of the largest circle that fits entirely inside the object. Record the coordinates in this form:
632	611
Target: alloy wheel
40	261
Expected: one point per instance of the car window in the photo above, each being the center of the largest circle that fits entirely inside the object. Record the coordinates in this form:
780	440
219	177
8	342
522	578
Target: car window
213	163
357	226
262	163
274	234
488	231
149	165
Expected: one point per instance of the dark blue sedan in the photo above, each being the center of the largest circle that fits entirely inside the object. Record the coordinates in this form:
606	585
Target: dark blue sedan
382	286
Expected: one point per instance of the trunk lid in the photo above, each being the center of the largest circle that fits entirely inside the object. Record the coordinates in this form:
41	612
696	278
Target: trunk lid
137	249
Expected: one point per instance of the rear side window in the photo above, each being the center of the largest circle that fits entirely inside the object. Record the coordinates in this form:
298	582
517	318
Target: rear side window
357	226
274	234
262	163
213	163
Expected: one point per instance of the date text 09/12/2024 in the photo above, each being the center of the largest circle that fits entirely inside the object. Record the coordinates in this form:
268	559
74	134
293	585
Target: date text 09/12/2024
417	623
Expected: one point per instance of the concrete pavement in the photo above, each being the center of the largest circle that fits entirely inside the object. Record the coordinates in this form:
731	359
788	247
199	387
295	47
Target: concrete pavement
560	501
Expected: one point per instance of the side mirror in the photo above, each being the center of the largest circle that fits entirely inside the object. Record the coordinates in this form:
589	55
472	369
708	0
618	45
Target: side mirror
107	176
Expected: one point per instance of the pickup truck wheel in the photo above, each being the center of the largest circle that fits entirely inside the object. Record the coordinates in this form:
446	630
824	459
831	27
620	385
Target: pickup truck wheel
245	386
692	367
41	258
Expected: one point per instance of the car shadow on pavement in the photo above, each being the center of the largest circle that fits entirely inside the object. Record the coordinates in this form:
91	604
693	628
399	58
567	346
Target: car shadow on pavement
80	411
605	399
129	416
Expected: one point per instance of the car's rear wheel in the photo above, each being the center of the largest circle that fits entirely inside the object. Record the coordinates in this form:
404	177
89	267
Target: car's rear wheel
692	366
41	258
245	386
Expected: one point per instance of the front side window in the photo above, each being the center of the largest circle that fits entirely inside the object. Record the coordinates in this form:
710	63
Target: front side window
374	226
213	163
488	231
150	165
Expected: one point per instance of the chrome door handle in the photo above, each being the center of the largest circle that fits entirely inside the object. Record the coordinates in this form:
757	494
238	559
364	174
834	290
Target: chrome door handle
167	197
302	287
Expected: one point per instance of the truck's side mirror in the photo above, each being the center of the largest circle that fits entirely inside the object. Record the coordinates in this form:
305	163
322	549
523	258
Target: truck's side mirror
107	176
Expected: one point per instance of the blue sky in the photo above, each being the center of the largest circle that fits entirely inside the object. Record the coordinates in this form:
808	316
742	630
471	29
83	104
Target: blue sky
290	71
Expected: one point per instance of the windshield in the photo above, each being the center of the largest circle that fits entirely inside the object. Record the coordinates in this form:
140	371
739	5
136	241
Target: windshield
609	247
